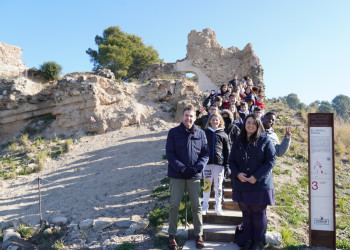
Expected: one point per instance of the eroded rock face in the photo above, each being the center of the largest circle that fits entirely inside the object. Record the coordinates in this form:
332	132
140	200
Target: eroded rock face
92	102
11	64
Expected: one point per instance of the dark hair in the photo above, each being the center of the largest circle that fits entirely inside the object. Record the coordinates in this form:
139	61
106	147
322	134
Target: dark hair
256	90
245	78
235	114
222	92
257	109
251	90
254	138
270	113
243	104
189	108
218	98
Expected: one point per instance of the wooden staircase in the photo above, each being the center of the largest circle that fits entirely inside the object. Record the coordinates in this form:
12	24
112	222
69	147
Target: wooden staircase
221	228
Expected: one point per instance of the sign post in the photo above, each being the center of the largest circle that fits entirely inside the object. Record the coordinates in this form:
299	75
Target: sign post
321	180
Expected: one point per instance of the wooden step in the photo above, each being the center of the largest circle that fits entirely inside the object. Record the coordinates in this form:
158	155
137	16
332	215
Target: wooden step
216	232
228	204
230	217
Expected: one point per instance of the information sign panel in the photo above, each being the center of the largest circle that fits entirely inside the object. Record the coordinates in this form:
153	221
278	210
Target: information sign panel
321	180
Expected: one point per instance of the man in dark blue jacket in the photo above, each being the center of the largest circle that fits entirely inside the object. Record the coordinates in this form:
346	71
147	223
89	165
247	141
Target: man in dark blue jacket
187	153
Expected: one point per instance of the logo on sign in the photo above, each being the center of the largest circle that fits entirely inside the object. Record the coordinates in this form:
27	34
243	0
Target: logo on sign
319	169
321	221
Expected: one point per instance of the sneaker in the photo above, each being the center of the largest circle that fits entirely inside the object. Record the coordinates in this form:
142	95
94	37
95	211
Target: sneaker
218	210
205	208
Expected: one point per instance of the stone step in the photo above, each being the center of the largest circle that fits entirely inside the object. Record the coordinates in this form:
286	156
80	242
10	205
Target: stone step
190	245
216	232
230	217
227	192
227	183
228	204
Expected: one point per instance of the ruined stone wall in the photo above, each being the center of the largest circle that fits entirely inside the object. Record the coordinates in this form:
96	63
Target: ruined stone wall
219	63
11	63
160	70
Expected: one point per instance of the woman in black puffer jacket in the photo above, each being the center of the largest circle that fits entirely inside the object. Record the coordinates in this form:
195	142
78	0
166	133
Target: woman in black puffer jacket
218	144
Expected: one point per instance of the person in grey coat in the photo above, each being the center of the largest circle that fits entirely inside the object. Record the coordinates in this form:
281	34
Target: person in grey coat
268	121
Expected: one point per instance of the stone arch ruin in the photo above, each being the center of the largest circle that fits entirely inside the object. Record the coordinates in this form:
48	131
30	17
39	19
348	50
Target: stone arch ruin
213	64
204	82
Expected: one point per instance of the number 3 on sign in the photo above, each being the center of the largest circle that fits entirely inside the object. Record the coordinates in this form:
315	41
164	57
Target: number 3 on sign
314	185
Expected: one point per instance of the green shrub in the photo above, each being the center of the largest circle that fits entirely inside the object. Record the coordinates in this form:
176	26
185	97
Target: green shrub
26	171
50	70
13	146
25	231
24	139
288	237
158	215
343	244
126	246
40	158
58	245
68	145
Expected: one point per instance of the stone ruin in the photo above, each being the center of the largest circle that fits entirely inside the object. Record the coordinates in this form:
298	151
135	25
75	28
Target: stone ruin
93	102
213	64
11	64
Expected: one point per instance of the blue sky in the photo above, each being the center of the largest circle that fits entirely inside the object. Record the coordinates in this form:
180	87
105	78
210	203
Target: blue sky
303	46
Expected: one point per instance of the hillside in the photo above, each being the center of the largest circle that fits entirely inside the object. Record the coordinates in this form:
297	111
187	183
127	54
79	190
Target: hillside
113	174
290	215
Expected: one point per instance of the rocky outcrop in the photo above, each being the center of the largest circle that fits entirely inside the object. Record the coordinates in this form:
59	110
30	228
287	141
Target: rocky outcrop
206	55
11	64
91	102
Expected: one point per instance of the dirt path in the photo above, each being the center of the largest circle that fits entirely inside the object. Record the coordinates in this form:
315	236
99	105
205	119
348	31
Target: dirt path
108	175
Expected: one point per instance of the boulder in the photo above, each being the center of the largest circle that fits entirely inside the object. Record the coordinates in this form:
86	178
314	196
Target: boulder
9	235
102	223
273	238
60	220
86	224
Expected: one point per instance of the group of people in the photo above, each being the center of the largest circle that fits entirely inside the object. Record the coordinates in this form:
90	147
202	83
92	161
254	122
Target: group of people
240	148
239	97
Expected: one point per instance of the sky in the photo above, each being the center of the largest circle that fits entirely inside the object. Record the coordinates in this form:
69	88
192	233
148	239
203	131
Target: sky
303	46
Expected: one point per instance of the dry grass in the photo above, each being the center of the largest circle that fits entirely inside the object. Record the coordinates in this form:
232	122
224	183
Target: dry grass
26	154
342	138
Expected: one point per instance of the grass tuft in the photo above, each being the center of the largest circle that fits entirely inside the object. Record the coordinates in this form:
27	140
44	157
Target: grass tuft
126	246
58	245
25	231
